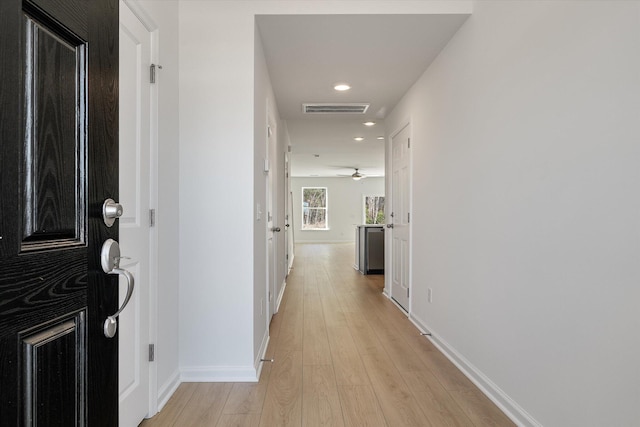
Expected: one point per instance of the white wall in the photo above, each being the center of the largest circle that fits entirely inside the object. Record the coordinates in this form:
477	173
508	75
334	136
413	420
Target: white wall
526	150
219	283
164	18
345	206
216	192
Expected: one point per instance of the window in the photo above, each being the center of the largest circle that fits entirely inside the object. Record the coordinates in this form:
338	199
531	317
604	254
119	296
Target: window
373	210
314	209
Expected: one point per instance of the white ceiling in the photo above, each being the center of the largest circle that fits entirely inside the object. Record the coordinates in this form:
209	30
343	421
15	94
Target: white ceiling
380	56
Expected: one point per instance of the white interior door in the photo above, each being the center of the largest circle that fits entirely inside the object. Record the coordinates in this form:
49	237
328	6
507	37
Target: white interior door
135	106
288	219
271	225
401	247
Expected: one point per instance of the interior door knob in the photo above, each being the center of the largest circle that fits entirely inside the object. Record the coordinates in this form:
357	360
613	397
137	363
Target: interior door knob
389	225
276	229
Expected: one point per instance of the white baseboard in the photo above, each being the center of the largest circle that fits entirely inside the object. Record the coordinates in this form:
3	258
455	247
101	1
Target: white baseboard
167	389
261	353
514	411
280	295
290	266
218	374
322	242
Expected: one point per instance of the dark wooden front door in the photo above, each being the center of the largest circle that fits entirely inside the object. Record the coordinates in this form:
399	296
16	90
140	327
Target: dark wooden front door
59	162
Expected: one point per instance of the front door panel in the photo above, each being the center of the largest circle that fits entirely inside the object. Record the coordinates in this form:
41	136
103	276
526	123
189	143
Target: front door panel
58	130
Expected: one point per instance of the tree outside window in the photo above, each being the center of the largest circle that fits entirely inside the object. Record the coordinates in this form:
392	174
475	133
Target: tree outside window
314	208
374	209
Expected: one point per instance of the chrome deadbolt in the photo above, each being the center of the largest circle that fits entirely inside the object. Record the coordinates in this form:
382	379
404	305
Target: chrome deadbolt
110	211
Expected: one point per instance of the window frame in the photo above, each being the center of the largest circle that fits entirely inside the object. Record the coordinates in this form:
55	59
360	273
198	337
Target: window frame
326	209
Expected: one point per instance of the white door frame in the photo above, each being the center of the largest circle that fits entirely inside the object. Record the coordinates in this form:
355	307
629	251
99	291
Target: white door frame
146	20
388	291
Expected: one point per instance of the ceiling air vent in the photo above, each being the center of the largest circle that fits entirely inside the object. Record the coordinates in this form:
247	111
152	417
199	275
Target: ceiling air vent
335	108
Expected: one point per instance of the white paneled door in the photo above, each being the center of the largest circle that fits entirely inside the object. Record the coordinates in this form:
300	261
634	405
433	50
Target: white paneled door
400	182
135	106
272	223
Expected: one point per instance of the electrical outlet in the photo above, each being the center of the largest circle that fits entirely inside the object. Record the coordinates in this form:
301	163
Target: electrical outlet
429	294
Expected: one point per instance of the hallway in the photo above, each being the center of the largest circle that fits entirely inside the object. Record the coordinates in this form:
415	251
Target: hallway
344	355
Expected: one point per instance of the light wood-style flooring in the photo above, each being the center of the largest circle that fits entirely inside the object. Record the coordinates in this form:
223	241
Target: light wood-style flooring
344	356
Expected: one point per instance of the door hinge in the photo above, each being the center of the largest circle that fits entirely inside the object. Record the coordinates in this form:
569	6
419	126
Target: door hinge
152	217
408	142
152	352
407	292
408	217
152	72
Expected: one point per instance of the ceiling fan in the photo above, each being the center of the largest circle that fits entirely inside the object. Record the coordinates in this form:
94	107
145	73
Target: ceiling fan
356	175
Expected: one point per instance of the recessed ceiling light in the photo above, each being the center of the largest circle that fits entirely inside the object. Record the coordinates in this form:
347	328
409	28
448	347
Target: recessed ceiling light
342	87
359	138
380	138
369	123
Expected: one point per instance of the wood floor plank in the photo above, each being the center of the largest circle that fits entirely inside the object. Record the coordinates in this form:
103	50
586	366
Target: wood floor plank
248	398
283	402
291	332
364	337
205	405
403	356
315	346
239	420
398	404
333	314
170	414
320	400
480	410
436	403
346	359
360	407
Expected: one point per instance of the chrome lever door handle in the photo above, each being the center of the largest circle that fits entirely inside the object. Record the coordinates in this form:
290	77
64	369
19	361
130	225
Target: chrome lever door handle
276	229
111	323
110	260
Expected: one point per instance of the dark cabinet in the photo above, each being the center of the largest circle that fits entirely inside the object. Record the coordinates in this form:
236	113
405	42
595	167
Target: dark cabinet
370	249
